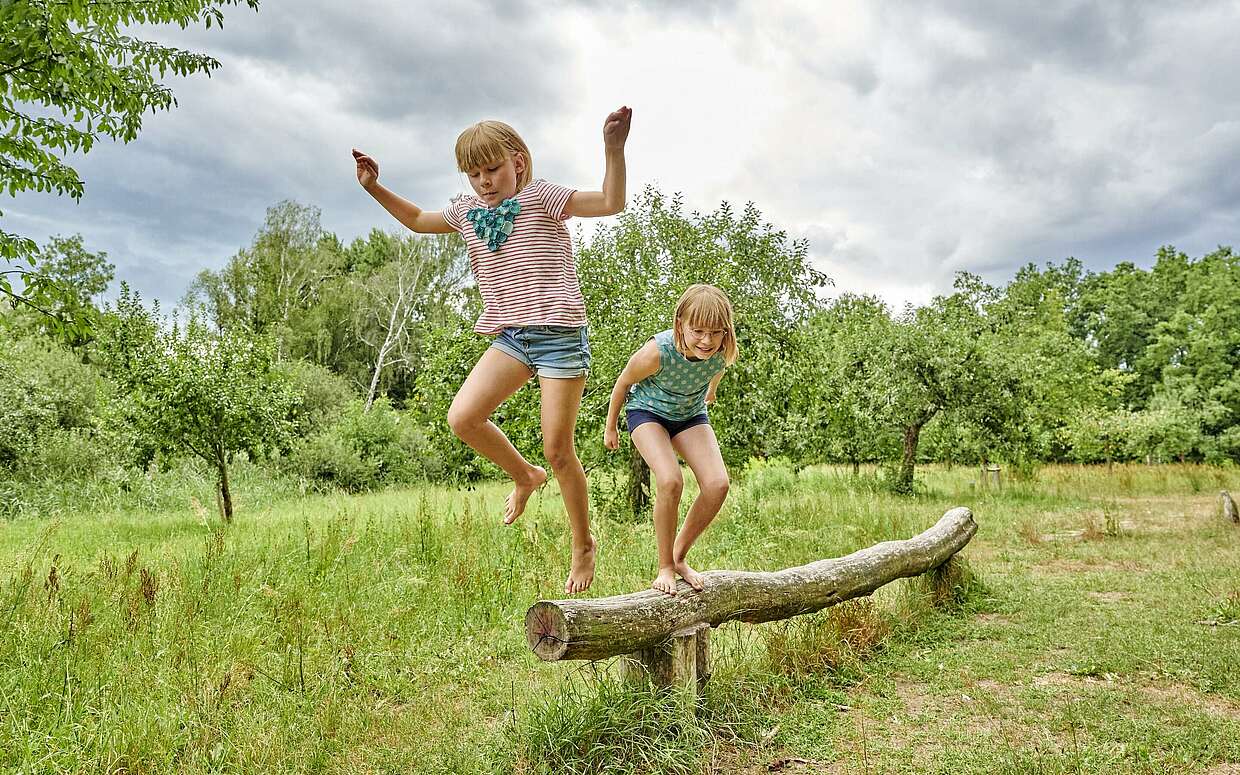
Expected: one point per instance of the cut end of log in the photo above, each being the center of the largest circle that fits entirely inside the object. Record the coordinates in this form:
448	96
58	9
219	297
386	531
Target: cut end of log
546	631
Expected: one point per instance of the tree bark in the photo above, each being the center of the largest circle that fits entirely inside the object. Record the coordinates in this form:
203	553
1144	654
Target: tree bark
681	660
639	483
912	435
226	506
609	626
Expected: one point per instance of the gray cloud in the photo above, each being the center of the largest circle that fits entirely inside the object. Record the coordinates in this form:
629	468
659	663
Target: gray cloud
395	62
906	141
300	84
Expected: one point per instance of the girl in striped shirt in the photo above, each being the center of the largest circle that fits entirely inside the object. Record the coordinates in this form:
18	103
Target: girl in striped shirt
522	259
664	389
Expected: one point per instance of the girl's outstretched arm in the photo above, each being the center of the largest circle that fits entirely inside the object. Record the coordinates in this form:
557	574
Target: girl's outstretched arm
412	216
609	201
642	364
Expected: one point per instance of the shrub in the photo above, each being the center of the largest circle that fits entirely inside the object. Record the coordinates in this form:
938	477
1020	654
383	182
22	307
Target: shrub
329	460
366	449
67	454
322	395
770	478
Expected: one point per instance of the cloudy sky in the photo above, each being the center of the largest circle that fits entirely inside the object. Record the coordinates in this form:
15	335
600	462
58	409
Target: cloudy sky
905	142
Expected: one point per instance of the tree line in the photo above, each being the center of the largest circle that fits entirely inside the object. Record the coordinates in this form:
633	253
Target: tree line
336	362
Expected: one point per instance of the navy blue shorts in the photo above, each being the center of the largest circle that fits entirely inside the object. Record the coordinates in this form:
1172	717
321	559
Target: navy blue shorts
636	417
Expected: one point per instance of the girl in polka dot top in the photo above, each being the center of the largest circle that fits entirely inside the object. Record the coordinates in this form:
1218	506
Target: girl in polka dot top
665	388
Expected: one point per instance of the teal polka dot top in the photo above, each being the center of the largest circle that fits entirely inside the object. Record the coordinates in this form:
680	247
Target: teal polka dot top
677	390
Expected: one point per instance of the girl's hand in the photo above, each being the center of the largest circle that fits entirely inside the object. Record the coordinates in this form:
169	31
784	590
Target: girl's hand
616	127
367	169
611	439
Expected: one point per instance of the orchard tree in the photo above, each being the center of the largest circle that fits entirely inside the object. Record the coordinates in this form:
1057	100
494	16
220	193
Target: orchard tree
831	415
71	74
193	390
1029	321
941	361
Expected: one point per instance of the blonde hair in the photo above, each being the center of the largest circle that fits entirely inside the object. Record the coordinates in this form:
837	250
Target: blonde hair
705	306
491	142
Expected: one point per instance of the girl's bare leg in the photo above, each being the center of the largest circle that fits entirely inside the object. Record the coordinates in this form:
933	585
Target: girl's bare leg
652	442
700	449
561	401
494	378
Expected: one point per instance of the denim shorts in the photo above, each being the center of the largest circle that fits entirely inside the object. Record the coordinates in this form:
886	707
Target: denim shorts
557	352
636	417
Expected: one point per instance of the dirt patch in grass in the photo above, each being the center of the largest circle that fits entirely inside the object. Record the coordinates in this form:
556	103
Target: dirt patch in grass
1177	695
1163	514
1068	681
736	761
1060	565
974	707
993	620
1169	512
1107	597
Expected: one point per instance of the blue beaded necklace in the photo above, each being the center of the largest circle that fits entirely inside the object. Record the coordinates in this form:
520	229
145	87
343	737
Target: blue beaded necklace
493	225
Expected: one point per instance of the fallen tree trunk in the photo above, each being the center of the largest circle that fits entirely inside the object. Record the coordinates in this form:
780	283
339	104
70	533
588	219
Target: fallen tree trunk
609	626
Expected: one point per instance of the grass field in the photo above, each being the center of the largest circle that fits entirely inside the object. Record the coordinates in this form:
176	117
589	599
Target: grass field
383	633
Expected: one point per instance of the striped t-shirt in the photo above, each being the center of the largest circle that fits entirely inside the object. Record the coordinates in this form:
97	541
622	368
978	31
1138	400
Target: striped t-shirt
531	280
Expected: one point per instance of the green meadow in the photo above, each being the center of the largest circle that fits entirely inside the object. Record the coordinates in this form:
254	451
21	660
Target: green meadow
1095	629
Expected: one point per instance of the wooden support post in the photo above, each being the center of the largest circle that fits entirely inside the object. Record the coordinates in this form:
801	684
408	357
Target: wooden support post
704	667
677	661
1230	513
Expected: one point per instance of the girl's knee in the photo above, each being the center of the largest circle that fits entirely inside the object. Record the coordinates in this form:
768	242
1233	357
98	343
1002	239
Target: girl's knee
463	422
716	489
671	484
560	455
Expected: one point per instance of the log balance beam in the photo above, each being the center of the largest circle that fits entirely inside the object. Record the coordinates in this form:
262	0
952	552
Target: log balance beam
667	636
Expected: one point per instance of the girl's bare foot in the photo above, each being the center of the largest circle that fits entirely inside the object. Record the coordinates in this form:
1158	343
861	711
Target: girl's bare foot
692	577
665	582
581	573
522	492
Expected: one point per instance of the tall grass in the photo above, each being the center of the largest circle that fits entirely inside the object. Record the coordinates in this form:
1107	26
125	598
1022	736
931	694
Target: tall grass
382	633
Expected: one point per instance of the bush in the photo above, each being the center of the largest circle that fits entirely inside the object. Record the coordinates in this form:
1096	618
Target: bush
24	416
67	454
328	460
323	395
770	478
366	449
50	404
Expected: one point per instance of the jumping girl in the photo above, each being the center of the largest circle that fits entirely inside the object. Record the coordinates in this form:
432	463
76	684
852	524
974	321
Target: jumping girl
665	388
522	259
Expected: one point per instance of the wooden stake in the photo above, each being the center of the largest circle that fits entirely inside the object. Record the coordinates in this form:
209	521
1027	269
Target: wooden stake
1230	513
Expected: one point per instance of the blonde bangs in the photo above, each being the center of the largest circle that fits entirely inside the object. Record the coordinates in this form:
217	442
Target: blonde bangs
491	142
705	306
